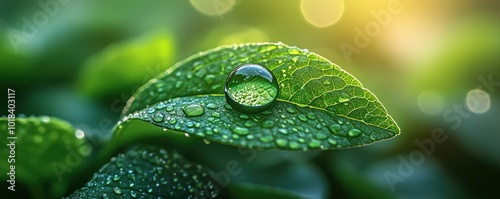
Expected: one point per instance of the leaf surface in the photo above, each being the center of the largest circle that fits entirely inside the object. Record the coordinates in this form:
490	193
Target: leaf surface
320	106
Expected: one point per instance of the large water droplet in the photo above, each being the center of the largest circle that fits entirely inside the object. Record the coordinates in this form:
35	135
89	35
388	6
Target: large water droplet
251	88
193	110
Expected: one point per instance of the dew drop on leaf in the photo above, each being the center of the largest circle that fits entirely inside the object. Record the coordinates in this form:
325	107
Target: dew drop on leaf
251	88
240	130
334	128
281	142
344	97
193	110
158	117
212	106
117	190
354	133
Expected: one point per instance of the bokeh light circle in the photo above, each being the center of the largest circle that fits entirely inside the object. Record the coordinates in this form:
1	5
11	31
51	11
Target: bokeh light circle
478	101
322	13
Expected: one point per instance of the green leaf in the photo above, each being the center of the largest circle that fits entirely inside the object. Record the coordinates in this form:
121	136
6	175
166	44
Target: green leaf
46	151
150	172
320	106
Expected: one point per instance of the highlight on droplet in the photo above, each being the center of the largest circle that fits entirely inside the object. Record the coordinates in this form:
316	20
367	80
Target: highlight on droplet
478	101
322	13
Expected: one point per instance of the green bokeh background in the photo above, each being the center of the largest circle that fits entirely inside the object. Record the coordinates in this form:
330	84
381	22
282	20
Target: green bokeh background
82	63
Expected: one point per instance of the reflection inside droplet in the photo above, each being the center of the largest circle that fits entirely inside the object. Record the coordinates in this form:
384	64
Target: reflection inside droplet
251	88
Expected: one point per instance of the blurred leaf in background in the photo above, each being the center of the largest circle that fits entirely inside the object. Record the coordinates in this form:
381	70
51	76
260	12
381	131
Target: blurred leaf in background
122	66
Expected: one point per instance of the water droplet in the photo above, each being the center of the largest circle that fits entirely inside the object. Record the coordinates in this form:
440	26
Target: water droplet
293	51
314	143
334	128
290	110
302	118
209	79
268	124
250	123
133	194
105	196
281	142
158	117
344	97
266	138
45	119
332	140
294	145
116	177
193	110
117	190
240	130
283	131
354	133
211	106
108	180
311	115
169	108
251	88
160	105
216	114
321	136
266	112
178	84
173	121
